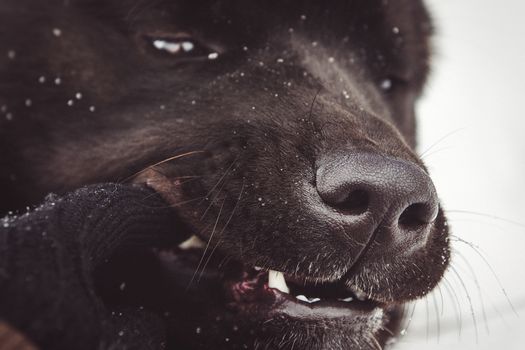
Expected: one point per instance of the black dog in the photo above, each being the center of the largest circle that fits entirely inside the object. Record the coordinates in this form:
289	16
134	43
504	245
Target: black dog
282	134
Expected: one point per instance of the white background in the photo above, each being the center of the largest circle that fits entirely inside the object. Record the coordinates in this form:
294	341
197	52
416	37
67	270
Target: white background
473	120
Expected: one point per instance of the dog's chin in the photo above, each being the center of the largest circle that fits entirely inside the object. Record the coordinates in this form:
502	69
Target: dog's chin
219	303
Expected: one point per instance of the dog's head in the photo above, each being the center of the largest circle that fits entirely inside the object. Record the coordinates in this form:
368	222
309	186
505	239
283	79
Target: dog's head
287	134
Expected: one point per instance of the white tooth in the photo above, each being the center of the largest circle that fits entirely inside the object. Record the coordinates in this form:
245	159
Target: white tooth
302	298
307	300
349	299
276	280
257	268
192	242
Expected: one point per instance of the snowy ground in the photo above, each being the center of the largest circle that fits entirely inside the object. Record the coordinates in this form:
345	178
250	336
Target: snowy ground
472	134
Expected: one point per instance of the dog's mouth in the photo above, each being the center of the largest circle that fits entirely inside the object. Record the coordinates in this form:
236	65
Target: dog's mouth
243	303
253	289
305	299
281	294
205	299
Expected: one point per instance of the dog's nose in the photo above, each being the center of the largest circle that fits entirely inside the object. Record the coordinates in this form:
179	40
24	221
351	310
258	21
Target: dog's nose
397	195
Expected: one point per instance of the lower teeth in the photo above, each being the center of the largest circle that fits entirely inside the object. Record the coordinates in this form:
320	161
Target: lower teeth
349	299
304	298
307	300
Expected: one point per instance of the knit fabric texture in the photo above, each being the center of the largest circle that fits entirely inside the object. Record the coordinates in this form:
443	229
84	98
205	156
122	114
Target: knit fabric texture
47	259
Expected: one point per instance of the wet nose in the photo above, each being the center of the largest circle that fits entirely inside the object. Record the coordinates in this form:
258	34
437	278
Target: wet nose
397	194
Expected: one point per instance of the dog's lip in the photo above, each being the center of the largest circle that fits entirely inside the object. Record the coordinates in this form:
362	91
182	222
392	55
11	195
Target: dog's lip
324	309
256	289
245	291
273	302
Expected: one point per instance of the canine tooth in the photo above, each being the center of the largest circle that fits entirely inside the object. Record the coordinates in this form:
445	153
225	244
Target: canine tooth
192	242
348	299
276	280
257	268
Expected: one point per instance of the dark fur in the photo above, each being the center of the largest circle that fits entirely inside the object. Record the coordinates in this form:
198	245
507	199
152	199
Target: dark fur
262	117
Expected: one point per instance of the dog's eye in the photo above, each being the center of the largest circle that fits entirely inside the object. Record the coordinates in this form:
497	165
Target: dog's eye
185	48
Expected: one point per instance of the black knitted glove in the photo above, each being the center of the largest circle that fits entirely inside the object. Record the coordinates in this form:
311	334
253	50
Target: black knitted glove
47	260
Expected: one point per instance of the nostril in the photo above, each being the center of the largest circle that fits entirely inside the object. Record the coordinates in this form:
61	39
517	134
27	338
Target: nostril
414	216
372	189
356	203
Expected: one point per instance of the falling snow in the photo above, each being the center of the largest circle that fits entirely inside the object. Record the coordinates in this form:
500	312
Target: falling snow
386	84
